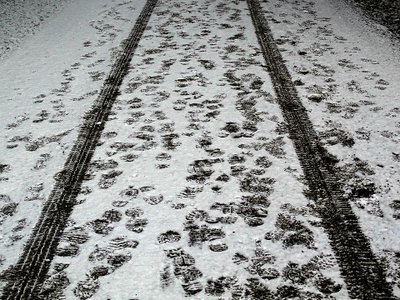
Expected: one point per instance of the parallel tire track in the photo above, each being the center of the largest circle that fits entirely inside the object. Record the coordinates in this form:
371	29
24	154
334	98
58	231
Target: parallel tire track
25	278
364	276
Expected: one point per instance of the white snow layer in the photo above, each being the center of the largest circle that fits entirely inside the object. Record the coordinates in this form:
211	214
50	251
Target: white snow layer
195	189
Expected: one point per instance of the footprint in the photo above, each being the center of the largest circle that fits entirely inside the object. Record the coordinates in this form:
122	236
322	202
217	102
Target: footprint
136	225
67	249
185	270
103	165
41	163
166	276
112	215
8	209
217	287
34	192
129	193
154	200
87	288
111	257
56	283
129	157
207	64
395	205
123	243
169	237
291	232
101	226
263	162
237	159
109	179
190	192
218	247
77	235
170	141
201	170
198	234
134	212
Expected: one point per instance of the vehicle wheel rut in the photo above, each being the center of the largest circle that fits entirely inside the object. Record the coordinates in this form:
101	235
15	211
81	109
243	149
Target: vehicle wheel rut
25	278
362	272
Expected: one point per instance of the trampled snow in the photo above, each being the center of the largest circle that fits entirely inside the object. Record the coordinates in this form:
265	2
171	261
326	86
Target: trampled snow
47	85
195	190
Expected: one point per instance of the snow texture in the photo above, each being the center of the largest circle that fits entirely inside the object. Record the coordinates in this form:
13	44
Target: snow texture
21	18
195	190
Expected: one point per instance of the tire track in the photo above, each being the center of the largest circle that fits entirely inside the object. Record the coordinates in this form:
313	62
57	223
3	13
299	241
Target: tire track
363	274
25	278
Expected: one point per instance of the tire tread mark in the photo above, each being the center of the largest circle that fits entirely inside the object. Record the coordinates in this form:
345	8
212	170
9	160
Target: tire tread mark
25	278
363	274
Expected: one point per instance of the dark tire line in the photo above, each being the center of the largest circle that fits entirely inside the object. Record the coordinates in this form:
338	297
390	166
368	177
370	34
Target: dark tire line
363	274
25	278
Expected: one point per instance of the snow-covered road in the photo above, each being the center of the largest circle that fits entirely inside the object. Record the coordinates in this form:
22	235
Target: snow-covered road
195	188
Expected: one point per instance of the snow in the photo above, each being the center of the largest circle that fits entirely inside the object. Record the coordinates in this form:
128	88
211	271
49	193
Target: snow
157	101
356	66
47	87
170	200
19	19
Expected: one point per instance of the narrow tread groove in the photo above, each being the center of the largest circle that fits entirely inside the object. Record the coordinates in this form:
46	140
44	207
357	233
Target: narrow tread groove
363	274
25	278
